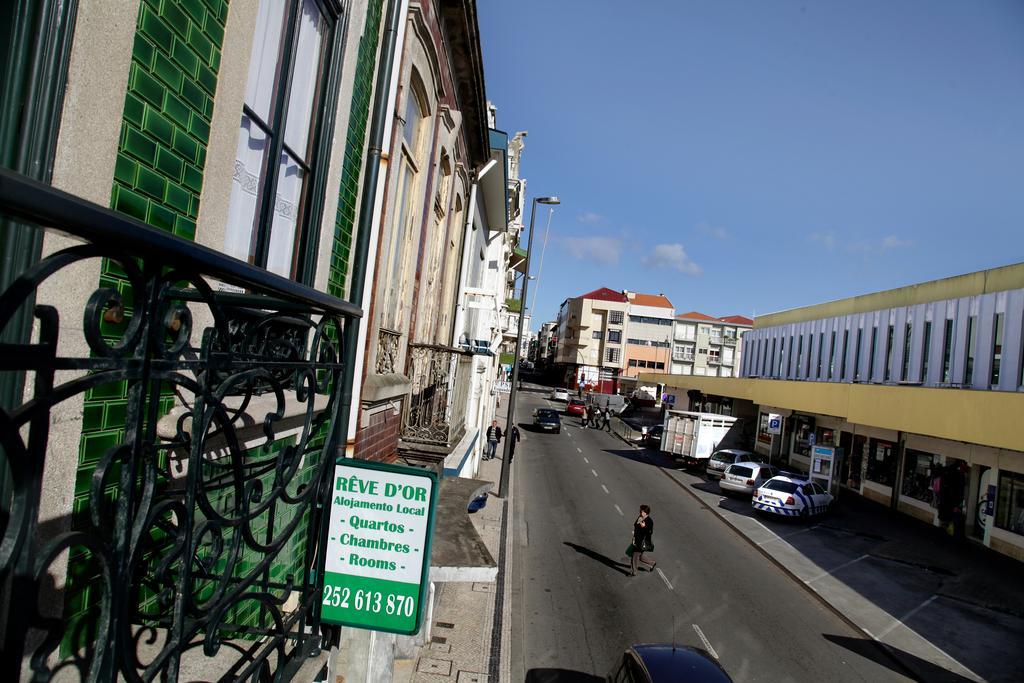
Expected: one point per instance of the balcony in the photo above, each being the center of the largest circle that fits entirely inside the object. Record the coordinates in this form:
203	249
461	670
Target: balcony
210	423
436	414
716	339
729	341
714	361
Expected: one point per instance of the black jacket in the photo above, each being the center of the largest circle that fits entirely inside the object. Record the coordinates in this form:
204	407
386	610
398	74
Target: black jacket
494	433
643	533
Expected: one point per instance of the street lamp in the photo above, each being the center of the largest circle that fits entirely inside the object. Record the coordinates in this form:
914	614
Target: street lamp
511	417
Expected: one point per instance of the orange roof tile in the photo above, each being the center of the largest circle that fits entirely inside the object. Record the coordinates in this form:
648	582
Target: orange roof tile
653	300
737	320
694	315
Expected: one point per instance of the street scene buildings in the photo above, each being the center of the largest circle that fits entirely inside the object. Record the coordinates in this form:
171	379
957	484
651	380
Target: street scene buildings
263	263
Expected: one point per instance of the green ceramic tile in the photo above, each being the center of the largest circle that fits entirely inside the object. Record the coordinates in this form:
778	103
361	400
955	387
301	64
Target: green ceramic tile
194	95
159	126
184	227
207	79
169	163
139	146
177	110
146	86
115	415
160	217
201	44
192	178
151	184
168	72
199	128
155	29
175	18
185	57
130	203
215	32
92	417
142	51
125	169
133	109
186	146
178	197
195	10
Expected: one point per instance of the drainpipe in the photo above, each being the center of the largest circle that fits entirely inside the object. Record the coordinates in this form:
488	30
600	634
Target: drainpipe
371	206
460	308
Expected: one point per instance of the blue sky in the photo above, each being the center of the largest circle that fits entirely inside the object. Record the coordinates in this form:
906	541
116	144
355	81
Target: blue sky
749	157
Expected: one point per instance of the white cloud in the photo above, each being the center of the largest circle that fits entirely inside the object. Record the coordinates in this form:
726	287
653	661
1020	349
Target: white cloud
717	232
590	218
672	256
604	250
825	239
894	242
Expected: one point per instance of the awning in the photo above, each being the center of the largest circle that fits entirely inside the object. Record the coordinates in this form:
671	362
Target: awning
457	551
517	260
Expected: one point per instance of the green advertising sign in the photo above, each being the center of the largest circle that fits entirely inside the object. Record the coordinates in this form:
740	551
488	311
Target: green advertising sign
378	548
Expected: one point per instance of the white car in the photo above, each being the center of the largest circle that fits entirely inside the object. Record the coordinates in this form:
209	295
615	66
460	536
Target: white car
560	395
745	477
790	496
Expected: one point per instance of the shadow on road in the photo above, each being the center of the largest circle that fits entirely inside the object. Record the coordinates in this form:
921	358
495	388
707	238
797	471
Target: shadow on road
655	458
922	669
620	567
560	676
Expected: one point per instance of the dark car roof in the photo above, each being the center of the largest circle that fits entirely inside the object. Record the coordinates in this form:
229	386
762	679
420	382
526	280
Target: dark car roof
666	662
547	413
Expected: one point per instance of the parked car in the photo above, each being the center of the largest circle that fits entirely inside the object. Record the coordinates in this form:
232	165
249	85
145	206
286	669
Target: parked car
667	663
575	406
560	395
746	477
651	436
791	496
721	459
548	420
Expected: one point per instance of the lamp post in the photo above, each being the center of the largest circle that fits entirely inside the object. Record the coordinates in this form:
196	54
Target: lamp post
510	419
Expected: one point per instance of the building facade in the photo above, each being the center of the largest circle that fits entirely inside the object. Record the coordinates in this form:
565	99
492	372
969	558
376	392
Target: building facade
591	340
920	389
649	338
703	345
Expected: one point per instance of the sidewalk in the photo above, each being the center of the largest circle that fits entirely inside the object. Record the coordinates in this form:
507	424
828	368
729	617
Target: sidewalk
464	646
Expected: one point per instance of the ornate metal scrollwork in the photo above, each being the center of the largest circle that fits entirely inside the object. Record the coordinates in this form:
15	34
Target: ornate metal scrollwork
440	389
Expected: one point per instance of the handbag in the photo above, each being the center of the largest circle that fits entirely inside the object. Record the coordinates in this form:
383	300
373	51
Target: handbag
630	549
648	545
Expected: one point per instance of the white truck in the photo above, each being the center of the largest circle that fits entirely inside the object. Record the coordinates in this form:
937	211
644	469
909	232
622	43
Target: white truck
693	437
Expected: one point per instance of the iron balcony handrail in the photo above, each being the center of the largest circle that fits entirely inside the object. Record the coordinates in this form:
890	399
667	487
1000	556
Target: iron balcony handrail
59	211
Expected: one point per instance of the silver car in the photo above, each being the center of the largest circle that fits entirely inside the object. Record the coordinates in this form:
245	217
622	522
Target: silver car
746	477
719	460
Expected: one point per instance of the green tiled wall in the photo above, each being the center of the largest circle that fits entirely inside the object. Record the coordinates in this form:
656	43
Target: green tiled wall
355	149
158	177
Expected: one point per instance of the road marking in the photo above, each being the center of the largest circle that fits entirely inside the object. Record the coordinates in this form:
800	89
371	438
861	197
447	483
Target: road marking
585	459
605	489
776	537
707	643
619	510
899	622
579	450
594	471
828	573
665	579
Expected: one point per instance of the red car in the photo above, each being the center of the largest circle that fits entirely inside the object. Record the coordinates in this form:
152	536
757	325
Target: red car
575	406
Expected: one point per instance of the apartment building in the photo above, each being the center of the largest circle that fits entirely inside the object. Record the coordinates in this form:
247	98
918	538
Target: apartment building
704	345
591	336
649	342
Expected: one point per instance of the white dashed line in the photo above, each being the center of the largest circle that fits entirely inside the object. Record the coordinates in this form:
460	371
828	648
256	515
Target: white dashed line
605	488
665	579
899	622
579	450
707	643
585	459
594	471
842	566
619	510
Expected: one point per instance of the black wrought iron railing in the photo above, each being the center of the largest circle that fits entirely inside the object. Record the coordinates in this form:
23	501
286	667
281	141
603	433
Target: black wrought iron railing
167	468
440	376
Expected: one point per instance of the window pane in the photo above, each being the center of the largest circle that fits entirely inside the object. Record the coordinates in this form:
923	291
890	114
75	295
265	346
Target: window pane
245	189
286	215
413	115
263	62
305	78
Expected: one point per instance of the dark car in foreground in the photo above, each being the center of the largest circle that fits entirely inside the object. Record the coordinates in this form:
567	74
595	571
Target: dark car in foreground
547	420
665	663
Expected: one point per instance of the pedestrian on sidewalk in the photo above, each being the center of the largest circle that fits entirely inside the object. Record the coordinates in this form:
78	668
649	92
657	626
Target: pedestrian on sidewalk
513	438
583	417
606	415
643	533
493	437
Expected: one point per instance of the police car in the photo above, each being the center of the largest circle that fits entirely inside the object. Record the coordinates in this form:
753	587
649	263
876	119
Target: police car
790	496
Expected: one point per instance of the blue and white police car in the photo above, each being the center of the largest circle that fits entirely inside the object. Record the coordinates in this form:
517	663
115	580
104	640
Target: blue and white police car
791	496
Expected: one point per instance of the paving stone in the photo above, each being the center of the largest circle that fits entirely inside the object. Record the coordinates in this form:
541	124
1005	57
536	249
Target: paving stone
428	665
471	677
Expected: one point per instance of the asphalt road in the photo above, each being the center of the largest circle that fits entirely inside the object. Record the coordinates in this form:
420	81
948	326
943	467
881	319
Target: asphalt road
574	609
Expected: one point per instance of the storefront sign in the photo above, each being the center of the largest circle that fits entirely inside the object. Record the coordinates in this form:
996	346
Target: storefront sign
378	550
503	387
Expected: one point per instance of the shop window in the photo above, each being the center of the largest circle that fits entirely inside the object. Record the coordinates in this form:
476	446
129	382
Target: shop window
1010	502
762	429
920	476
997	348
881	462
947	352
887	368
826	436
905	366
803	427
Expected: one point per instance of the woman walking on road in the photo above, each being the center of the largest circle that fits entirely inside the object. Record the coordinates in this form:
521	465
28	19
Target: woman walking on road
643	531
